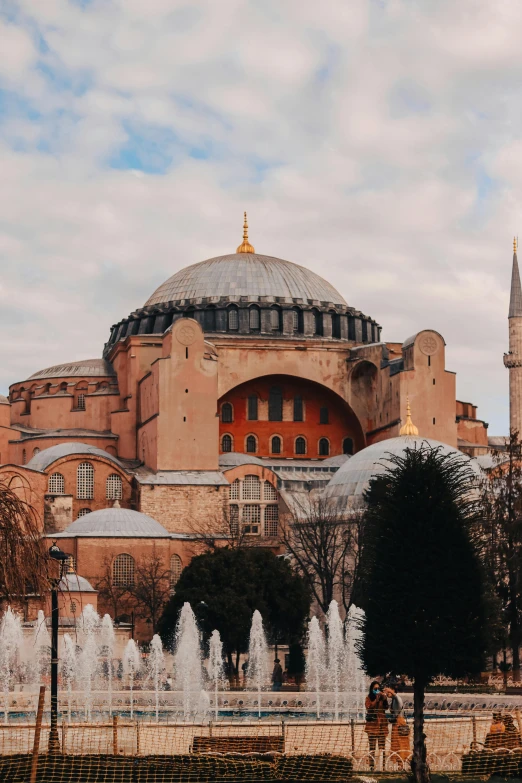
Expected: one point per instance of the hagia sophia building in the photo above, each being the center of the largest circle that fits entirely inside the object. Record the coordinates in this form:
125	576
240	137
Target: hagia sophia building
243	381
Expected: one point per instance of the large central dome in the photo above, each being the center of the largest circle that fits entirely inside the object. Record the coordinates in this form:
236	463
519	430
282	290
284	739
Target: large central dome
245	274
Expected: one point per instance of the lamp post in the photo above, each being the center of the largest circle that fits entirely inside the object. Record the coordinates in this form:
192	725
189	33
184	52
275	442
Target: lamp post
55	553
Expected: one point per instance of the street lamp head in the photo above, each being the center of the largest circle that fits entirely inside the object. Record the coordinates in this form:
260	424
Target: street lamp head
56	553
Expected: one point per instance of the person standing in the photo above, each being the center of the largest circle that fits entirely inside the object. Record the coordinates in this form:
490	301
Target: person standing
277	676
400	731
376	726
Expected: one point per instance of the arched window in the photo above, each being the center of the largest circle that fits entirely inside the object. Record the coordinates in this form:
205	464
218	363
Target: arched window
275	404
254	319
296	321
113	487
234	490
80	402
298	408
318	322
269	491
233	319
123	571
300	445
85	481
251	444
275	319
336	325
175	571
251	488
63	388
36	451
47	389
56	484
323	415
364	330
252	407
227	413
324	447
209	320
83	511
347	446
226	443
271	521
276	445
24	457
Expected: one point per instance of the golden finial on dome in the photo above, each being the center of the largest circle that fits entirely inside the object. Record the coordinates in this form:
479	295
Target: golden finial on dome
514	244
245	246
409	427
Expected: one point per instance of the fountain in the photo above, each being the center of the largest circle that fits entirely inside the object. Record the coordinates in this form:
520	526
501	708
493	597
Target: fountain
215	667
107	650
257	672
187	662
354	675
131	667
315	660
156	667
88	627
40	655
10	646
335	652
68	668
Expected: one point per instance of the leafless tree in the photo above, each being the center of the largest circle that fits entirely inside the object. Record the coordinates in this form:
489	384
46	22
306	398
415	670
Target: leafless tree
117	597
216	531
23	556
151	588
324	542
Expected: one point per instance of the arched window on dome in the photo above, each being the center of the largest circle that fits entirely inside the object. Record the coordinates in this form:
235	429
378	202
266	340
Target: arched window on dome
318	322
56	484
324	447
300	445
251	444
227	413
364	330
275	319
351	327
113	487
123	567
347	446
209	319
176	568
297	318
336	325
85	481
276	444
36	451
226	444
254	319
63	388
233	319
189	312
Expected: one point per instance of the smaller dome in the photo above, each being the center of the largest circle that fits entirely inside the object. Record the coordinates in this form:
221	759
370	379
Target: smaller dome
353	478
91	368
233	459
3	400
73	583
115	523
46	457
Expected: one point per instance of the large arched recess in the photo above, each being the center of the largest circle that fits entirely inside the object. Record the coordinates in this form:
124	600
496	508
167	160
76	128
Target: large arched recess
325	414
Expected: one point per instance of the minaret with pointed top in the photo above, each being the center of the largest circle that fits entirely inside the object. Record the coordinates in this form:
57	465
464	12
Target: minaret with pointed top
245	246
513	359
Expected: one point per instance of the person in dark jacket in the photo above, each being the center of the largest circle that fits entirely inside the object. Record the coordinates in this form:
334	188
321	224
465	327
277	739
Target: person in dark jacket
277	676
376	726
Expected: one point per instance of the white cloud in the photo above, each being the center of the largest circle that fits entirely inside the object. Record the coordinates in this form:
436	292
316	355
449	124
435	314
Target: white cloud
377	143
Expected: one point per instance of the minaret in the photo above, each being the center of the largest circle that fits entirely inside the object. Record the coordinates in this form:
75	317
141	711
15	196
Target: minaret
513	359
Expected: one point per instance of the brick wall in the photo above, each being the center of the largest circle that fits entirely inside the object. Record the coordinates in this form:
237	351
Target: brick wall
179	508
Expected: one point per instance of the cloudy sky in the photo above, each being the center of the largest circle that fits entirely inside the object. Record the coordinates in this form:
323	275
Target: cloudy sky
377	142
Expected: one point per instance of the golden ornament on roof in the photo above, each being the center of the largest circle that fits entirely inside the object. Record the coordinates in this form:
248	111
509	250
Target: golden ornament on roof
245	246
409	427
514	244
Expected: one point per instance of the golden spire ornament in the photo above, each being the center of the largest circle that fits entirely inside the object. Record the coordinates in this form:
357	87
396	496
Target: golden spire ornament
514	244
245	246
409	428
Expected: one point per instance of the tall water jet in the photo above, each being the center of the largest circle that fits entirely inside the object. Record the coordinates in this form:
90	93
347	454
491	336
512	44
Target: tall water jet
257	671
131	667
216	670
10	646
68	668
107	651
88	626
335	652
41	649
315	667
156	667
187	662
354	675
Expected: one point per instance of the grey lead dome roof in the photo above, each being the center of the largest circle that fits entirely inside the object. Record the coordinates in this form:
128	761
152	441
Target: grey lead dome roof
352	478
92	368
115	523
46	457
245	274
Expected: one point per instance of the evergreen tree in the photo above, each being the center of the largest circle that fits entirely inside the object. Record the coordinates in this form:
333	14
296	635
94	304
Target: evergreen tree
422	579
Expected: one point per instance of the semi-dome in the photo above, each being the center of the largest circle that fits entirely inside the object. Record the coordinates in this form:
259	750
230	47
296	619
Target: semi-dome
3	400
353	478
245	274
46	457
115	523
